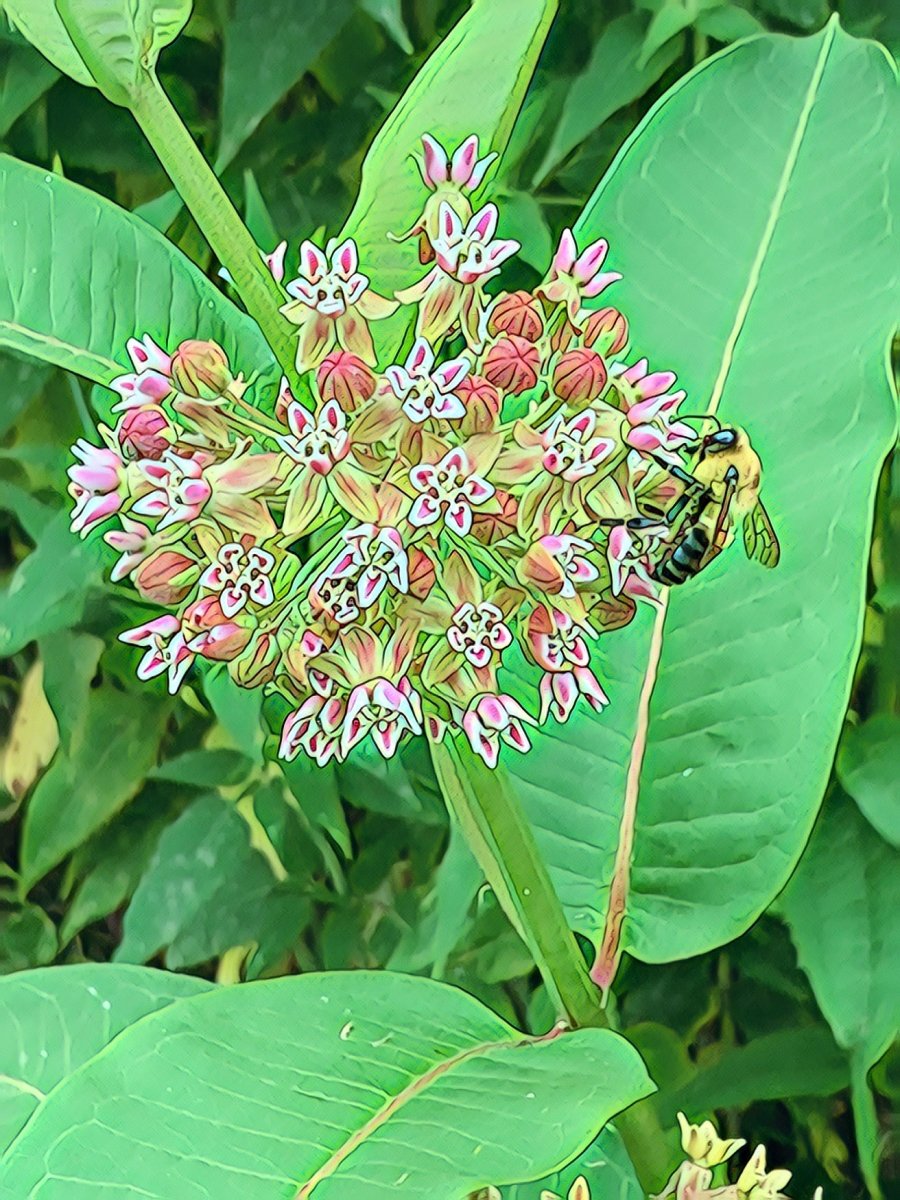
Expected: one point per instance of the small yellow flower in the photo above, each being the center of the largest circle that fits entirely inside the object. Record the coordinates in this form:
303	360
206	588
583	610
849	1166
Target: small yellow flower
755	1181
702	1144
578	1191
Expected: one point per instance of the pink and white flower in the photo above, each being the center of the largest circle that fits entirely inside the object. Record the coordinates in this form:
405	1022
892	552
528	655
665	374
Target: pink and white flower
557	641
383	711
478	632
465	170
134	542
651	409
332	303
448	490
629	553
240	576
375	557
570	448
180	490
167	651
556	563
494	718
470	253
425	391
574	277
318	442
149	383
313	728
560	690
98	485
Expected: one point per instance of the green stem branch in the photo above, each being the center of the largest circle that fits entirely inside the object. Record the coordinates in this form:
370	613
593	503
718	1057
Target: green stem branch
209	205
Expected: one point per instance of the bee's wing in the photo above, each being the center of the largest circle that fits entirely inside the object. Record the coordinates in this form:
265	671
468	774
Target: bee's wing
760	540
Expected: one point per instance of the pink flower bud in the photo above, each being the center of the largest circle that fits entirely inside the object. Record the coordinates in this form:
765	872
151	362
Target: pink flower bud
166	577
606	330
200	370
144	433
512	364
344	377
579	376
211	634
482	403
260	662
518	314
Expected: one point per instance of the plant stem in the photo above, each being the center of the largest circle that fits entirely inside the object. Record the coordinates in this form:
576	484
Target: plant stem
500	837
217	217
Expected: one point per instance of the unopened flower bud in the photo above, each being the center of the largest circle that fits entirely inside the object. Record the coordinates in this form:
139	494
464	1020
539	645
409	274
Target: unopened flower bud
606	331
166	577
482	401
344	377
210	633
518	314
512	364
421	573
200	370
579	376
260	662
144	433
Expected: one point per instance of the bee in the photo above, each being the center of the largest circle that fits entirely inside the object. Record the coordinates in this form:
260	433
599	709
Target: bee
723	489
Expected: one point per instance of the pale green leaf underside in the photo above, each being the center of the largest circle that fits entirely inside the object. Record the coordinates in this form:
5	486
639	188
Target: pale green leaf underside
752	220
370	1085
55	1019
79	276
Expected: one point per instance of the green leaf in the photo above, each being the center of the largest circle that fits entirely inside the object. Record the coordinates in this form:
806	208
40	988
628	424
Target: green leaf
205	890
841	905
107	43
867	768
70	662
110	755
238	711
269	45
612	78
24	77
604	1164
724	211
27	939
474	82
48	589
729	22
389	14
204	768
56	1019
59	309
323	1086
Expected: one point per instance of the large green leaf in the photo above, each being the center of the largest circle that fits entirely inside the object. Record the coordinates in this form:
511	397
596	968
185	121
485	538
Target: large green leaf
751	216
56	1018
604	1164
79	276
357	1083
474	82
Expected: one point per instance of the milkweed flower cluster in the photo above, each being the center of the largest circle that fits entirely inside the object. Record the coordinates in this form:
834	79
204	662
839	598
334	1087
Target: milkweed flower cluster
381	555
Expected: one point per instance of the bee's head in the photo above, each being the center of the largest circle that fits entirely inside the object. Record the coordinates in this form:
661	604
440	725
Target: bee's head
722	439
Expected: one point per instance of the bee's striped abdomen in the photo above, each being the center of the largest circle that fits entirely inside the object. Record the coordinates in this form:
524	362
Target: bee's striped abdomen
685	560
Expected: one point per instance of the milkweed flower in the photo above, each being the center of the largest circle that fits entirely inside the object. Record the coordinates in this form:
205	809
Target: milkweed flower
333	303
377	551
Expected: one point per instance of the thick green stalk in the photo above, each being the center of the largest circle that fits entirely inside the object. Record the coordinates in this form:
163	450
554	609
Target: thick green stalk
500	837
217	217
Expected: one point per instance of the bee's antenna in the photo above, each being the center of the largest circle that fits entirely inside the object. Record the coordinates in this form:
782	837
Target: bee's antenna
701	417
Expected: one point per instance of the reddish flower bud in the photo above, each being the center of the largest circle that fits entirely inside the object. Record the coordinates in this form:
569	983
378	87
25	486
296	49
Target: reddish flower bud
512	364
166	577
491	527
421	573
579	376
606	331
259	664
518	314
344	377
200	370
210	633
482	401
144	433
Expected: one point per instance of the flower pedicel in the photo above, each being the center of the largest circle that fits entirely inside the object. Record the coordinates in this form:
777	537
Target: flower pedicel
380	560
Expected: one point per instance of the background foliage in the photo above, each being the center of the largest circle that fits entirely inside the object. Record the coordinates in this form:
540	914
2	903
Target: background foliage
143	830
